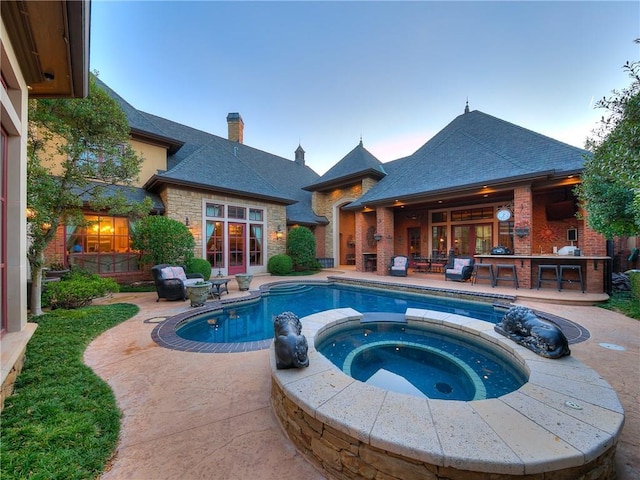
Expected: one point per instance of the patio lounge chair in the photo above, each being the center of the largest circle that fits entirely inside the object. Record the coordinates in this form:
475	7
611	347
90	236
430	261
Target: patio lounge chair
399	266
460	270
171	281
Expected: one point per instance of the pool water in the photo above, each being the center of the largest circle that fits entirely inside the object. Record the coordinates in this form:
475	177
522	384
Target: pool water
420	361
253	321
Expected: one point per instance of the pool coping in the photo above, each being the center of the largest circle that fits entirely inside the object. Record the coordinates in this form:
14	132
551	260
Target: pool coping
565	416
164	334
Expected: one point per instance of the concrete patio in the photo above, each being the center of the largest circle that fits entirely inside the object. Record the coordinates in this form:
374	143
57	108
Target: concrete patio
208	416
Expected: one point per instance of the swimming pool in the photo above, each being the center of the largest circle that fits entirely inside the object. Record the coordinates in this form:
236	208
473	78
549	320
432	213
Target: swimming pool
253	321
420	361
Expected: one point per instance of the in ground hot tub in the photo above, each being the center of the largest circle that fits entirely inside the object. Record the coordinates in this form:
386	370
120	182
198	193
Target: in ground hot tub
563	422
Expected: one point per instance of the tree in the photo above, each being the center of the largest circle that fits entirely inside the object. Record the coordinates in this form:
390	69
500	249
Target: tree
78	149
610	188
163	240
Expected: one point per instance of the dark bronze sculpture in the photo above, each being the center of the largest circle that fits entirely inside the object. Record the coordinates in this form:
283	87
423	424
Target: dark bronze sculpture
290	345
523	326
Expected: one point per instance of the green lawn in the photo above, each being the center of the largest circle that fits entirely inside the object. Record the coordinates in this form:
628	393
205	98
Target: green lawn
62	421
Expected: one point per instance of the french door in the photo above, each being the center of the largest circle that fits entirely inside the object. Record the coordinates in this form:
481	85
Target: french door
469	240
237	241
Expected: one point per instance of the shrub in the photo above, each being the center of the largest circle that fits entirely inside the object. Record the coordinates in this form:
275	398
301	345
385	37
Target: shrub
77	289
301	247
162	240
634	279
280	265
199	265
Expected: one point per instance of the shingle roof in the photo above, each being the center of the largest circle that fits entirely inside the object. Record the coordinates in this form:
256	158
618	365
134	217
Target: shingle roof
474	149
198	158
355	165
132	194
213	162
137	120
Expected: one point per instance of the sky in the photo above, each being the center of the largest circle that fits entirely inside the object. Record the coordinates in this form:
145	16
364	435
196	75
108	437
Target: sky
325	75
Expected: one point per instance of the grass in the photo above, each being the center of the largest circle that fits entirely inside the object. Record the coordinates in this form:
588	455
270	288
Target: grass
62	421
625	303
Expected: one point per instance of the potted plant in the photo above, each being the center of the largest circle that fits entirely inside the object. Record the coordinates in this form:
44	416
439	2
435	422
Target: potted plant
198	293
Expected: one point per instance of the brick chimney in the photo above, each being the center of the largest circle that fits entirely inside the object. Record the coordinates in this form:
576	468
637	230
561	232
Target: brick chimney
235	127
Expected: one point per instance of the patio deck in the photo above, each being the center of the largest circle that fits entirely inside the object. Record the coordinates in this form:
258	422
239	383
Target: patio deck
193	415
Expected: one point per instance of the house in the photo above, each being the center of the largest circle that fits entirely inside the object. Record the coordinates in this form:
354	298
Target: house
34	64
481	182
237	200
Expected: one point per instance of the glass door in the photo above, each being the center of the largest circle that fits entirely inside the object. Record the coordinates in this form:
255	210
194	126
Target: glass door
413	234
470	240
237	244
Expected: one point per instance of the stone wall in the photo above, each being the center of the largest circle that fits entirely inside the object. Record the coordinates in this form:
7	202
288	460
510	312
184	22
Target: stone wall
341	456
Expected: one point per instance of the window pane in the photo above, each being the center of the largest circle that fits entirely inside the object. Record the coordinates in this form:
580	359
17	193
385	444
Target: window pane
215	244
215	210
255	215
255	245
237	212
102	247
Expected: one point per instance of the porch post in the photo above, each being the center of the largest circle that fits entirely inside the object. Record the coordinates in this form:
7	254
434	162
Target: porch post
384	248
522	245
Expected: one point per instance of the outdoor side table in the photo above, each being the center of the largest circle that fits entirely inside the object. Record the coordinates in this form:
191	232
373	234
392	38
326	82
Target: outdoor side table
219	286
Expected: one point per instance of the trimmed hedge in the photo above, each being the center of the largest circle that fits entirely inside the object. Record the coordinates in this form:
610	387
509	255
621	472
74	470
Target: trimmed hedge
634	279
280	265
199	265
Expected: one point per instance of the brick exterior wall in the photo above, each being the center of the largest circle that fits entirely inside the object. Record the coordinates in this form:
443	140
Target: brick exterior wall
523	217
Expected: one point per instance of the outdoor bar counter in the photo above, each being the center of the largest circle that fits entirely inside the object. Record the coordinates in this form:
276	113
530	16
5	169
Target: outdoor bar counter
593	269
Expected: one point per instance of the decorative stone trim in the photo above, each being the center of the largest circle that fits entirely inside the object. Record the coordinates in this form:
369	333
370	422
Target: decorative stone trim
564	423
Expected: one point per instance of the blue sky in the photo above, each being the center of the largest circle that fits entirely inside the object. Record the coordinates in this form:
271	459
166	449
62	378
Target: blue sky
323	74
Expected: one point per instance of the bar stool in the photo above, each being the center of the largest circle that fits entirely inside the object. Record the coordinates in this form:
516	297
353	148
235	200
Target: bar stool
487	275
571	268
512	277
553	269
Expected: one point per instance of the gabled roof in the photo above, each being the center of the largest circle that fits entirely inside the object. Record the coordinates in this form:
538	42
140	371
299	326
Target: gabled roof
474	149
202	160
354	166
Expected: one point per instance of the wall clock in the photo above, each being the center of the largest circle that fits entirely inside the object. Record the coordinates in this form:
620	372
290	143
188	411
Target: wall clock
503	214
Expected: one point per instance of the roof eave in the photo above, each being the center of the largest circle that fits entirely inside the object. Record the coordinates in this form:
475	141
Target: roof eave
52	66
502	184
345	180
156	181
171	144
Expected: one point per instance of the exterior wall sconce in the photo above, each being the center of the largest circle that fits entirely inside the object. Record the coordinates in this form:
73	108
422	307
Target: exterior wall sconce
188	224
279	233
377	237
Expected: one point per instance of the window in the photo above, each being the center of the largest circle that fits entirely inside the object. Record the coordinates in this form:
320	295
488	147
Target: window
255	215
237	212
102	246
438	217
215	243
255	244
95	156
214	210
